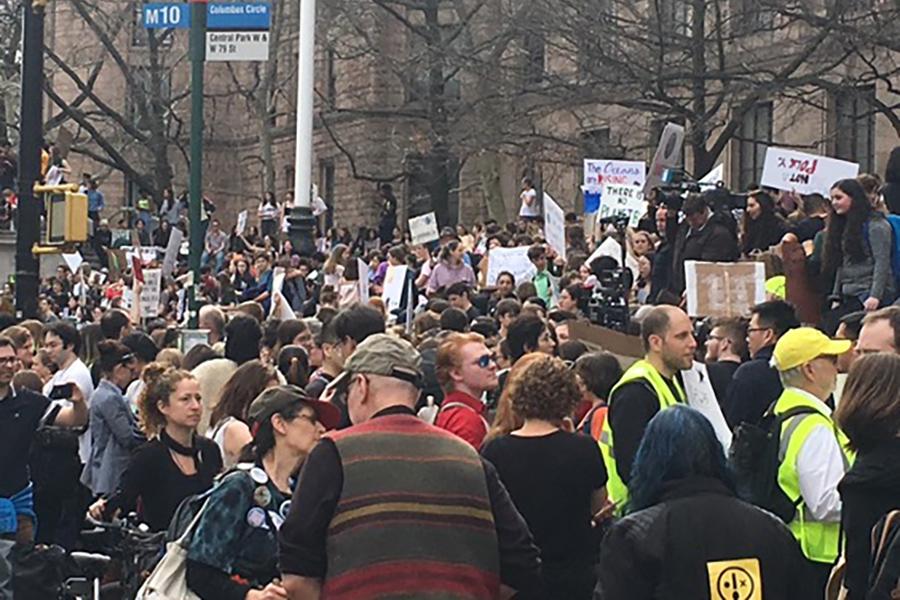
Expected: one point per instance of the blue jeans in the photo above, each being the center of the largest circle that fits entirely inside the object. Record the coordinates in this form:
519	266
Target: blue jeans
219	256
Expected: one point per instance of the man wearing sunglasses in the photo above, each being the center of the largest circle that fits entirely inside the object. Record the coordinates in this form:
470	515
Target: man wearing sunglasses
466	370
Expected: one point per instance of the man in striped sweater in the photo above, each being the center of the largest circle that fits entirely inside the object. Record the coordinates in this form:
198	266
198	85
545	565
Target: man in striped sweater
394	507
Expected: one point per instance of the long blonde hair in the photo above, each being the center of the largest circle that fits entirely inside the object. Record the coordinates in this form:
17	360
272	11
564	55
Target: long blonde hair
506	420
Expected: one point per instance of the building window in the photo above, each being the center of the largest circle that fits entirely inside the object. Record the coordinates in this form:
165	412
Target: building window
675	15
139	103
855	126
326	189
535	57
754	138
596	143
330	78
748	16
417	79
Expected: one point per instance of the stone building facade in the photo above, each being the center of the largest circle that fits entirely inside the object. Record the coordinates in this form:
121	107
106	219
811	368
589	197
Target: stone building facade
386	146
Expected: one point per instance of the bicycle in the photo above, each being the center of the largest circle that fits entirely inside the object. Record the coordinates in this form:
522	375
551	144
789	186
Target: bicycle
132	548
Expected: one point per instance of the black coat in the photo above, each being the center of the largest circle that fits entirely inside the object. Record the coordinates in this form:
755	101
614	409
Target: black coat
754	387
713	243
665	552
869	490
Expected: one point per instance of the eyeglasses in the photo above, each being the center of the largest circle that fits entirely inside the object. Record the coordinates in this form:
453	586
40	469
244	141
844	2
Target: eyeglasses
485	361
752	329
313	420
715	337
8	360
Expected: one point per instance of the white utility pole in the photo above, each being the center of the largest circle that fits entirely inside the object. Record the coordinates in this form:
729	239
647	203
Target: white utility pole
305	98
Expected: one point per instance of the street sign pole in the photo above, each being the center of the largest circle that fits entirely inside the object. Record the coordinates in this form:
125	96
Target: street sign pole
198	57
302	223
28	215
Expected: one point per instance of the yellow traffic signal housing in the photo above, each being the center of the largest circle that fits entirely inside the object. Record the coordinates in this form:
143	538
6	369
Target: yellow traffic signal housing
67	214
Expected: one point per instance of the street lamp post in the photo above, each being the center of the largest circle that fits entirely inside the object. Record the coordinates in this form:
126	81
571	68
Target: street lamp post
301	222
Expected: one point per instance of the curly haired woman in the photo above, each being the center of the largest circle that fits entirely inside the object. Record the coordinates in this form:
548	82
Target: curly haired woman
555	477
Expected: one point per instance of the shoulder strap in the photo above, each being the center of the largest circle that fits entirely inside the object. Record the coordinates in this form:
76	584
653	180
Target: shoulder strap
189	531
484	422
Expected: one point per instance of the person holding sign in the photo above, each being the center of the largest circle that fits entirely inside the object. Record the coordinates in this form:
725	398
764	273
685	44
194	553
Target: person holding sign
858	247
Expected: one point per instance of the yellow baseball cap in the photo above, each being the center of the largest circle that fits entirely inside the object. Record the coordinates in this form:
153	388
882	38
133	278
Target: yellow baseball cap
799	346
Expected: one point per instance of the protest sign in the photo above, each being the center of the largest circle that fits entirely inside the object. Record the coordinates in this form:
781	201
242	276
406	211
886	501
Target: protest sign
393	286
278	275
714	177
423	228
555	225
668	153
241	223
626	348
146	254
73	261
803	173
598	173
701	396
612	248
625	201
171	257
723	289
150	293
363	283
511	260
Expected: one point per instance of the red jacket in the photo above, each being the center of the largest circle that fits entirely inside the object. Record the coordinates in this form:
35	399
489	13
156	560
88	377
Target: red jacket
464	418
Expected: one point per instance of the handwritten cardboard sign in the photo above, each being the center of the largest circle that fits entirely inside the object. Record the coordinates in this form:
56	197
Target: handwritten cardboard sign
723	289
423	228
511	260
668	153
599	172
804	173
625	201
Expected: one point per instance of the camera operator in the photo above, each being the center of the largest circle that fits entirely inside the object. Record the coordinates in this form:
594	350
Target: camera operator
700	237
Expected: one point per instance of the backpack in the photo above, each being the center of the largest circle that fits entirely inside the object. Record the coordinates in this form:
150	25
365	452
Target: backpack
884	577
894	222
754	456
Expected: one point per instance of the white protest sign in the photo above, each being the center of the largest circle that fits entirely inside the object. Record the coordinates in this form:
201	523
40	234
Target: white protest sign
363	283
623	201
598	172
150	292
423	229
700	396
147	255
171	258
393	286
241	223
278	280
723	289
803	173
555	225
511	260
667	155
73	261
712	179
613	249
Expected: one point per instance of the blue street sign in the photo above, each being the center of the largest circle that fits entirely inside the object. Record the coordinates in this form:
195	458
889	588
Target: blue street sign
167	16
238	16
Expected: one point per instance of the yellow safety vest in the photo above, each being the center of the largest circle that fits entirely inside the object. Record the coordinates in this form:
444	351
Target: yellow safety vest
615	487
819	541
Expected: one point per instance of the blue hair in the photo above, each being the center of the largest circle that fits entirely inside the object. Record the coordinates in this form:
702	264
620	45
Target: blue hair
679	443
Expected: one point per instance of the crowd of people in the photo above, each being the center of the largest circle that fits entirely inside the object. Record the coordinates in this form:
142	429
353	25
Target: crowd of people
311	439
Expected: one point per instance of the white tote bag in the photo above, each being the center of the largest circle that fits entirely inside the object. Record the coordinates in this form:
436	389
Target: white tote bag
168	581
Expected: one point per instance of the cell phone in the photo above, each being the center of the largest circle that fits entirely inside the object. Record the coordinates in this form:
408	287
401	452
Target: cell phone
62	392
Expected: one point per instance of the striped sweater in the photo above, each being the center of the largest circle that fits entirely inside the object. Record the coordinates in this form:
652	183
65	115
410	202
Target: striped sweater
414	517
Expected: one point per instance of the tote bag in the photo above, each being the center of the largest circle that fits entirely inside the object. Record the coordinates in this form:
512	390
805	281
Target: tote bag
168	581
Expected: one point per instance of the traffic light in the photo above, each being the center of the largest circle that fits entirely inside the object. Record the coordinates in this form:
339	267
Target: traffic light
67	214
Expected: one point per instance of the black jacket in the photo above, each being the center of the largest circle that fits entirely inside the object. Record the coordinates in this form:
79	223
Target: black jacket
713	243
667	551
869	490
754	387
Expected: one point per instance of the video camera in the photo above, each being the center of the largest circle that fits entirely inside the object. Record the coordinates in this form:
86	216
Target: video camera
608	305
